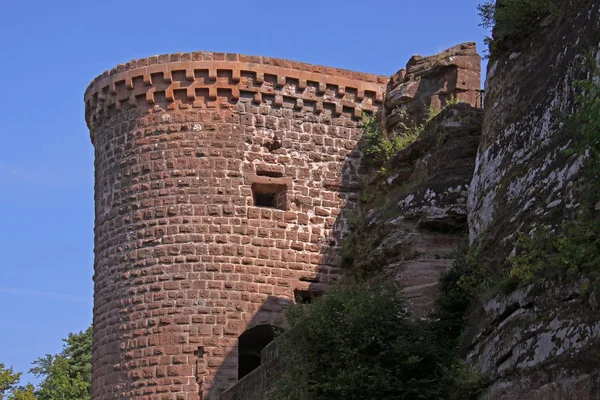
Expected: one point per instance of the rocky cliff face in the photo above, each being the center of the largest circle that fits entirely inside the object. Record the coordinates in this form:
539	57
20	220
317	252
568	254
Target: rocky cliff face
534	342
414	209
414	212
522	175
539	345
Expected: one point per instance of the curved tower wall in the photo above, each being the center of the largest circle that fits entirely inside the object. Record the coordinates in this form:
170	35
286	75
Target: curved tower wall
186	146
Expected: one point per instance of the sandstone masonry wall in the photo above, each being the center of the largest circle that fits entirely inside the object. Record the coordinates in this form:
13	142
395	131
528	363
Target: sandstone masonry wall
187	148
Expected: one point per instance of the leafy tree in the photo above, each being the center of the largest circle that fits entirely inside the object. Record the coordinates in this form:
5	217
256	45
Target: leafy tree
59	381
9	386
8	380
24	393
78	351
67	375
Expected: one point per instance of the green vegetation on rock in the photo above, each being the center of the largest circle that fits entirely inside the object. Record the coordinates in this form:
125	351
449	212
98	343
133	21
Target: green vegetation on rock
572	253
571	250
378	148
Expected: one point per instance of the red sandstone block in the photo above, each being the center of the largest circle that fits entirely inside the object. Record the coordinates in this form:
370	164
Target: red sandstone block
253	213
282	292
288	255
303	236
257	298
171	285
302	257
266	289
282	244
293	236
296	266
312	247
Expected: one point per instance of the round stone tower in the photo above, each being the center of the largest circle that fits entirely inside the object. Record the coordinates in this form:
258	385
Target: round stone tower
221	185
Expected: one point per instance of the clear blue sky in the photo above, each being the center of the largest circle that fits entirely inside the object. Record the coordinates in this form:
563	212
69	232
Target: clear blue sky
51	51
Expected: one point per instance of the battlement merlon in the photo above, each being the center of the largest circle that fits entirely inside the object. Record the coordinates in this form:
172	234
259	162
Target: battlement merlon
203	80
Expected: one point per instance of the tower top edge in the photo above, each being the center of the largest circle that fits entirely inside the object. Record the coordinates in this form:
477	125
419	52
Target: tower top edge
178	61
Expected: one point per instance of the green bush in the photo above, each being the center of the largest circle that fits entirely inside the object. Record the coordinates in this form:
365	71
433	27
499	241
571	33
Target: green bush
359	342
466	280
584	124
379	148
546	255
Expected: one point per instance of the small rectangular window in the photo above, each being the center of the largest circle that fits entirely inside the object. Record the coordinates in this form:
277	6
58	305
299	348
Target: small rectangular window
270	195
272	174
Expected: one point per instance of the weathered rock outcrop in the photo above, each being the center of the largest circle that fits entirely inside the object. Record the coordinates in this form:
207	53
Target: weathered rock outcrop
539	344
432	81
534	343
522	175
414	211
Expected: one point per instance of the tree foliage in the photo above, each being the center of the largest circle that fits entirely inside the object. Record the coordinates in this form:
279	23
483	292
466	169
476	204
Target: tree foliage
59	380
359	342
78	350
8	380
9	385
66	375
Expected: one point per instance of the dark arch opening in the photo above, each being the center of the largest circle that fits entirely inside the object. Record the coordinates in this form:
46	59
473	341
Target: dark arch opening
250	345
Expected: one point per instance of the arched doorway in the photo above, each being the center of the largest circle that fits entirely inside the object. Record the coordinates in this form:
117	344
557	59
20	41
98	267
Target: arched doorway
250	346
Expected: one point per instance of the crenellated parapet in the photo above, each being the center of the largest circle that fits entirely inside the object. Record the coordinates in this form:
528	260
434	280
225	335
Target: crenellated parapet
219	80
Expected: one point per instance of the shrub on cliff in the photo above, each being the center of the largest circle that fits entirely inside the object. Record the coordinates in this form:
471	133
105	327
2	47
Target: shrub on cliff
359	342
379	148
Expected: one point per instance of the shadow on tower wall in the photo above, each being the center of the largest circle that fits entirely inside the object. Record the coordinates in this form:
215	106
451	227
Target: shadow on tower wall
252	356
